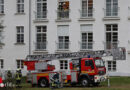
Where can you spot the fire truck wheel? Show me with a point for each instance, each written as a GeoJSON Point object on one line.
{"type": "Point", "coordinates": [43, 82]}
{"type": "Point", "coordinates": [85, 82]}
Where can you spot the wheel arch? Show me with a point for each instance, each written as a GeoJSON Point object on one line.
{"type": "Point", "coordinates": [84, 76]}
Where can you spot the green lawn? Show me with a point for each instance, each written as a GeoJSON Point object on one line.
{"type": "Point", "coordinates": [116, 83]}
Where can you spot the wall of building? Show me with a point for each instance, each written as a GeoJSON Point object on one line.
{"type": "Point", "coordinates": [10, 51]}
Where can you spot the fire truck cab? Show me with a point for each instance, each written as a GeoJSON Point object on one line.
{"type": "Point", "coordinates": [89, 71]}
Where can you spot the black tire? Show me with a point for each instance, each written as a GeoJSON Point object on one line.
{"type": "Point", "coordinates": [84, 82]}
{"type": "Point", "coordinates": [43, 82]}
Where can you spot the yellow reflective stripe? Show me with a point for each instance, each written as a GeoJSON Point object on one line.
{"type": "Point", "coordinates": [42, 74]}
{"type": "Point", "coordinates": [88, 71]}
{"type": "Point", "coordinates": [18, 77]}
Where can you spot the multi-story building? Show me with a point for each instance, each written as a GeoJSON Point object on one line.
{"type": "Point", "coordinates": [55, 26]}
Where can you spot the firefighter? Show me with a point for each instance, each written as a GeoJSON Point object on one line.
{"type": "Point", "coordinates": [18, 77]}
{"type": "Point", "coordinates": [9, 79]}
{"type": "Point", "coordinates": [56, 82]}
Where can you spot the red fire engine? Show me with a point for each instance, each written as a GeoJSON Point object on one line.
{"type": "Point", "coordinates": [83, 70]}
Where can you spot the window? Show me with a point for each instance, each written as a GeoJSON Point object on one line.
{"type": "Point", "coordinates": [41, 38]}
{"type": "Point", "coordinates": [63, 9]}
{"type": "Point", "coordinates": [1, 63]}
{"type": "Point", "coordinates": [99, 63]}
{"type": "Point", "coordinates": [111, 7]}
{"type": "Point", "coordinates": [41, 9]}
{"type": "Point", "coordinates": [20, 34]}
{"type": "Point", "coordinates": [63, 38]}
{"type": "Point", "coordinates": [20, 6]}
{"type": "Point", "coordinates": [87, 40]}
{"type": "Point", "coordinates": [1, 35]}
{"type": "Point", "coordinates": [111, 65]}
{"type": "Point", "coordinates": [63, 42]}
{"type": "Point", "coordinates": [86, 37]}
{"type": "Point", "coordinates": [87, 63]}
{"type": "Point", "coordinates": [63, 64]}
{"type": "Point", "coordinates": [111, 36]}
{"type": "Point", "coordinates": [1, 6]}
{"type": "Point", "coordinates": [20, 64]}
{"type": "Point", "coordinates": [87, 8]}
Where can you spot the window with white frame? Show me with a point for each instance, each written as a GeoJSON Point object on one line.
{"type": "Point", "coordinates": [20, 64]}
{"type": "Point", "coordinates": [20, 34]}
{"type": "Point", "coordinates": [20, 6]}
{"type": "Point", "coordinates": [86, 37]}
{"type": "Point", "coordinates": [111, 65]}
{"type": "Point", "coordinates": [41, 38]}
{"type": "Point", "coordinates": [87, 8]}
{"type": "Point", "coordinates": [41, 9]}
{"type": "Point", "coordinates": [63, 37]}
{"type": "Point", "coordinates": [1, 6]}
{"type": "Point", "coordinates": [63, 9]}
{"type": "Point", "coordinates": [1, 63]}
{"type": "Point", "coordinates": [63, 42]}
{"type": "Point", "coordinates": [111, 36]}
{"type": "Point", "coordinates": [111, 7]}
{"type": "Point", "coordinates": [1, 34]}
{"type": "Point", "coordinates": [63, 64]}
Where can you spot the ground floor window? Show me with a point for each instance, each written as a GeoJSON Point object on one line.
{"type": "Point", "coordinates": [111, 65]}
{"type": "Point", "coordinates": [19, 64]}
{"type": "Point", "coordinates": [1, 63]}
{"type": "Point", "coordinates": [63, 64]}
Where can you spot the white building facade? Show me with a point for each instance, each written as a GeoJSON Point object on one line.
{"type": "Point", "coordinates": [56, 26]}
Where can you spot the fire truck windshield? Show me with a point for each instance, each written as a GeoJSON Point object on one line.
{"type": "Point", "coordinates": [99, 63]}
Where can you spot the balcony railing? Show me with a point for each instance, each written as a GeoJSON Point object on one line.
{"type": "Point", "coordinates": [63, 14]}
{"type": "Point", "coordinates": [86, 13]}
{"type": "Point", "coordinates": [40, 15]}
{"type": "Point", "coordinates": [41, 46]}
{"type": "Point", "coordinates": [111, 12]}
{"type": "Point", "coordinates": [111, 45]}
{"type": "Point", "coordinates": [86, 45]}
{"type": "Point", "coordinates": [63, 45]}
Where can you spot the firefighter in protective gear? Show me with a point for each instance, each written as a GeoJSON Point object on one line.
{"type": "Point", "coordinates": [55, 81]}
{"type": "Point", "coordinates": [18, 77]}
{"type": "Point", "coordinates": [9, 79]}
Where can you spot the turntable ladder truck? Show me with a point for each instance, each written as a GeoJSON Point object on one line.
{"type": "Point", "coordinates": [86, 68]}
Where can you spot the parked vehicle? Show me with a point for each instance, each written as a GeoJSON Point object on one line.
{"type": "Point", "coordinates": [82, 71]}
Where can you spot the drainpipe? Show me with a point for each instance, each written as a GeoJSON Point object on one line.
{"type": "Point", "coordinates": [30, 26]}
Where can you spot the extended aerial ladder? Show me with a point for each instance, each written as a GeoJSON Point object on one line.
{"type": "Point", "coordinates": [117, 53]}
